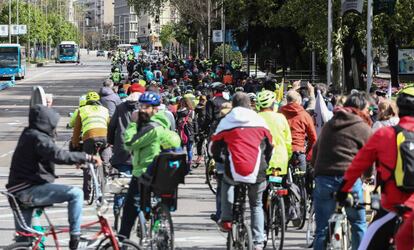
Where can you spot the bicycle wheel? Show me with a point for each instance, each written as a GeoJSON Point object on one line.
{"type": "Point", "coordinates": [303, 204]}
{"type": "Point", "coordinates": [211, 175]}
{"type": "Point", "coordinates": [310, 228]}
{"type": "Point", "coordinates": [277, 222]}
{"type": "Point", "coordinates": [19, 246]}
{"type": "Point", "coordinates": [141, 228]}
{"type": "Point", "coordinates": [240, 238]}
{"type": "Point", "coordinates": [162, 229]}
{"type": "Point", "coordinates": [124, 245]}
{"type": "Point", "coordinates": [92, 192]}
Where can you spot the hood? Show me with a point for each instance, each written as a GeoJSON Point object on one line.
{"type": "Point", "coordinates": [105, 91]}
{"type": "Point", "coordinates": [291, 110]}
{"type": "Point", "coordinates": [161, 119]}
{"type": "Point", "coordinates": [43, 118]}
{"type": "Point", "coordinates": [343, 119]}
{"type": "Point", "coordinates": [240, 117]}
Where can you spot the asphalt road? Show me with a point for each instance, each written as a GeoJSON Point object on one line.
{"type": "Point", "coordinates": [193, 228]}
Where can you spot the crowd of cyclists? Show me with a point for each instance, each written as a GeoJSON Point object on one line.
{"type": "Point", "coordinates": [255, 128]}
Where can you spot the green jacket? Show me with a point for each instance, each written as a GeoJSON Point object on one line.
{"type": "Point", "coordinates": [144, 142]}
{"type": "Point", "coordinates": [282, 141]}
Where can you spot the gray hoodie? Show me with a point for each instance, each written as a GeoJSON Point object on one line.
{"type": "Point", "coordinates": [109, 99]}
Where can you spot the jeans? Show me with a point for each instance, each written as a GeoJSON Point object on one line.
{"type": "Point", "coordinates": [120, 198]}
{"type": "Point", "coordinates": [48, 194]}
{"type": "Point", "coordinates": [131, 208]}
{"type": "Point", "coordinates": [255, 194]}
{"type": "Point", "coordinates": [218, 195]}
{"type": "Point", "coordinates": [189, 148]}
{"type": "Point", "coordinates": [301, 157]}
{"type": "Point", "coordinates": [325, 205]}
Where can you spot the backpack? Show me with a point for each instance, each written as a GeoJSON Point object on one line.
{"type": "Point", "coordinates": [183, 127]}
{"type": "Point", "coordinates": [404, 168]}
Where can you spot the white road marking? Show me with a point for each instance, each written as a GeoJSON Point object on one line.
{"type": "Point", "coordinates": [6, 154]}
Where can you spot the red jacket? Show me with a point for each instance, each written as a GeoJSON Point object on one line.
{"type": "Point", "coordinates": [381, 149]}
{"type": "Point", "coordinates": [301, 126]}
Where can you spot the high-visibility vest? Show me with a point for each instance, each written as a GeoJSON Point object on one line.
{"type": "Point", "coordinates": [93, 116]}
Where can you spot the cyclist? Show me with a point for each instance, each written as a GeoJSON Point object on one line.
{"type": "Point", "coordinates": [302, 127]}
{"type": "Point", "coordinates": [142, 137]}
{"type": "Point", "coordinates": [213, 107]}
{"type": "Point", "coordinates": [82, 102]}
{"type": "Point", "coordinates": [121, 158]}
{"type": "Point", "coordinates": [280, 130]}
{"type": "Point", "coordinates": [339, 142]}
{"type": "Point", "coordinates": [116, 76]}
{"type": "Point", "coordinates": [92, 122]}
{"type": "Point", "coordinates": [32, 171]}
{"type": "Point", "coordinates": [109, 98]}
{"type": "Point", "coordinates": [244, 135]}
{"type": "Point", "coordinates": [382, 149]}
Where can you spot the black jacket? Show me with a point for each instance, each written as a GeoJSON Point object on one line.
{"type": "Point", "coordinates": [213, 108]}
{"type": "Point", "coordinates": [36, 152]}
{"type": "Point", "coordinates": [191, 128]}
{"type": "Point", "coordinates": [119, 122]}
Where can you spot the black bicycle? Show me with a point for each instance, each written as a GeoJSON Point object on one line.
{"type": "Point", "coordinates": [240, 235]}
{"type": "Point", "coordinates": [297, 193]}
{"type": "Point", "coordinates": [275, 212]}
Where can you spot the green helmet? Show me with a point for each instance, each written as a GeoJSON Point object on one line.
{"type": "Point", "coordinates": [265, 99]}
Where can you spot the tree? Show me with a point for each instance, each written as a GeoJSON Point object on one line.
{"type": "Point", "coordinates": [230, 54]}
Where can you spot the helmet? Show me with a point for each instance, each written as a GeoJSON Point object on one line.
{"type": "Point", "coordinates": [252, 97]}
{"type": "Point", "coordinates": [218, 86]}
{"type": "Point", "coordinates": [239, 89]}
{"type": "Point", "coordinates": [92, 96]}
{"type": "Point", "coordinates": [405, 101]}
{"type": "Point", "coordinates": [265, 99]}
{"type": "Point", "coordinates": [150, 98]}
{"type": "Point", "coordinates": [82, 100]}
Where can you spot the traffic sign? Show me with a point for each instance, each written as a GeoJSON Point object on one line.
{"type": "Point", "coordinates": [4, 30]}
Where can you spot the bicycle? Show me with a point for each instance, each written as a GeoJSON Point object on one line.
{"type": "Point", "coordinates": [275, 212]}
{"type": "Point", "coordinates": [297, 193]}
{"type": "Point", "coordinates": [211, 175]}
{"type": "Point", "coordinates": [105, 239]}
{"type": "Point", "coordinates": [240, 235]}
{"type": "Point", "coordinates": [100, 174]}
{"type": "Point", "coordinates": [118, 184]}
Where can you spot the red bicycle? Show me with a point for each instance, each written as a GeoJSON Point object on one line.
{"type": "Point", "coordinates": [105, 239]}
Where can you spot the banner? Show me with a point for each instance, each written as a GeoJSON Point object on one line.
{"type": "Point", "coordinates": [22, 29]}
{"type": "Point", "coordinates": [406, 61]}
{"type": "Point", "coordinates": [14, 29]}
{"type": "Point", "coordinates": [321, 113]}
{"type": "Point", "coordinates": [4, 30]}
{"type": "Point", "coordinates": [352, 5]}
{"type": "Point", "coordinates": [217, 36]}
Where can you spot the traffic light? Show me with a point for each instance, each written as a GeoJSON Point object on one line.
{"type": "Point", "coordinates": [157, 19]}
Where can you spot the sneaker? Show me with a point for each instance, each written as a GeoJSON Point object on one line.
{"type": "Point", "coordinates": [199, 159]}
{"type": "Point", "coordinates": [214, 217]}
{"type": "Point", "coordinates": [225, 226]}
{"type": "Point", "coordinates": [74, 241]}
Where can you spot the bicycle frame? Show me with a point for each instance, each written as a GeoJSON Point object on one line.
{"type": "Point", "coordinates": [105, 230]}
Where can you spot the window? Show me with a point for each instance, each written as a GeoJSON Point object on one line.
{"type": "Point", "coordinates": [133, 18]}
{"type": "Point", "coordinates": [131, 9]}
{"type": "Point", "coordinates": [133, 26]}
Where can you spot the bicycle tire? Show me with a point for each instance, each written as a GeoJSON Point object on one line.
{"type": "Point", "coordinates": [310, 228]}
{"type": "Point", "coordinates": [92, 192]}
{"type": "Point", "coordinates": [303, 204]}
{"type": "Point", "coordinates": [244, 233]}
{"type": "Point", "coordinates": [19, 246]}
{"type": "Point", "coordinates": [159, 239]}
{"type": "Point", "coordinates": [277, 222]}
{"type": "Point", "coordinates": [125, 245]}
{"type": "Point", "coordinates": [211, 175]}
{"type": "Point", "coordinates": [141, 228]}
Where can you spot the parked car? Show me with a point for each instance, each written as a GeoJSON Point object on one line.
{"type": "Point", "coordinates": [100, 53]}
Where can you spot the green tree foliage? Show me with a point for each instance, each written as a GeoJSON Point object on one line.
{"type": "Point", "coordinates": [167, 34]}
{"type": "Point", "coordinates": [230, 55]}
{"type": "Point", "coordinates": [41, 27]}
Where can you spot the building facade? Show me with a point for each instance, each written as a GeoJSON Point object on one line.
{"type": "Point", "coordinates": [141, 29]}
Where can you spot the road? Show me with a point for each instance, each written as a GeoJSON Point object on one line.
{"type": "Point", "coordinates": [193, 228]}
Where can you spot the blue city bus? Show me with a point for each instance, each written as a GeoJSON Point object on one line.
{"type": "Point", "coordinates": [67, 51]}
{"type": "Point", "coordinates": [12, 61]}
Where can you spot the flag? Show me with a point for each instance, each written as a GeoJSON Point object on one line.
{"type": "Point", "coordinates": [279, 92]}
{"type": "Point", "coordinates": [321, 113]}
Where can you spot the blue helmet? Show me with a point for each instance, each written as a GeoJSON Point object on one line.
{"type": "Point", "coordinates": [150, 98]}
